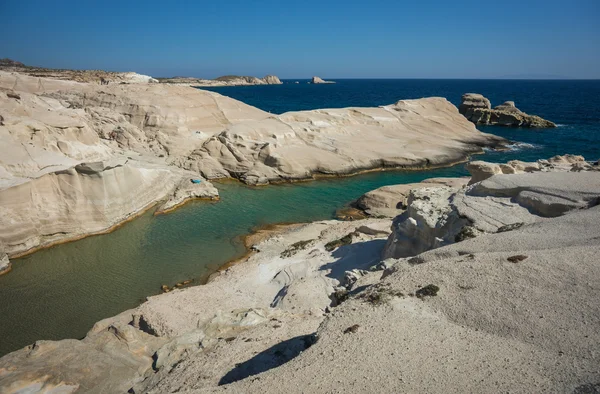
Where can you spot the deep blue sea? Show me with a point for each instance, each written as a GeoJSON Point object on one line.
{"type": "Point", "coordinates": [572, 104]}
{"type": "Point", "coordinates": [62, 291]}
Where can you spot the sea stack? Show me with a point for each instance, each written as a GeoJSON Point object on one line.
{"type": "Point", "coordinates": [478, 110]}
{"type": "Point", "coordinates": [318, 80]}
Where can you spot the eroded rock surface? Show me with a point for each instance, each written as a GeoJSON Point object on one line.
{"type": "Point", "coordinates": [439, 216]}
{"type": "Point", "coordinates": [510, 304]}
{"type": "Point", "coordinates": [391, 201]}
{"type": "Point", "coordinates": [478, 110]}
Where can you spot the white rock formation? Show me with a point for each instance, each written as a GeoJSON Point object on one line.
{"type": "Point", "coordinates": [228, 80]}
{"type": "Point", "coordinates": [300, 145]}
{"type": "Point", "coordinates": [441, 216]}
{"type": "Point", "coordinates": [391, 201]}
{"type": "Point", "coordinates": [317, 80]}
{"type": "Point", "coordinates": [513, 309]}
{"type": "Point", "coordinates": [481, 170]}
{"type": "Point", "coordinates": [157, 133]}
{"type": "Point", "coordinates": [478, 110]}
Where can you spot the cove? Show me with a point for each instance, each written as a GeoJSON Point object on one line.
{"type": "Point", "coordinates": [62, 291]}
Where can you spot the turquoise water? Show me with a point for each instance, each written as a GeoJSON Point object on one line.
{"type": "Point", "coordinates": [62, 291]}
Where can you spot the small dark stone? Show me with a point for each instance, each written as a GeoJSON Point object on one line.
{"type": "Point", "coordinates": [510, 227]}
{"type": "Point", "coordinates": [590, 388]}
{"type": "Point", "coordinates": [13, 95]}
{"type": "Point", "coordinates": [465, 233]}
{"type": "Point", "coordinates": [351, 329]}
{"type": "Point", "coordinates": [427, 291]}
{"type": "Point", "coordinates": [517, 258]}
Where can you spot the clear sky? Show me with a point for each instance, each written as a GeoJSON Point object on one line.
{"type": "Point", "coordinates": [299, 39]}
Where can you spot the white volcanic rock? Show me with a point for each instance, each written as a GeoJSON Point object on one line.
{"type": "Point", "coordinates": [429, 222]}
{"type": "Point", "coordinates": [132, 77]}
{"type": "Point", "coordinates": [392, 200]}
{"type": "Point", "coordinates": [514, 310]}
{"type": "Point", "coordinates": [5, 264]}
{"type": "Point", "coordinates": [300, 145]}
{"type": "Point", "coordinates": [496, 323]}
{"type": "Point", "coordinates": [228, 80]}
{"type": "Point", "coordinates": [481, 170]}
{"type": "Point", "coordinates": [258, 304]}
{"type": "Point", "coordinates": [441, 216]}
{"type": "Point", "coordinates": [272, 80]}
{"type": "Point", "coordinates": [59, 133]}
{"type": "Point", "coordinates": [66, 172]}
{"type": "Point", "coordinates": [317, 80]}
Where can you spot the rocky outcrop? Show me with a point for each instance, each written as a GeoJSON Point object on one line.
{"type": "Point", "coordinates": [85, 199]}
{"type": "Point", "coordinates": [441, 216]}
{"type": "Point", "coordinates": [391, 201]}
{"type": "Point", "coordinates": [481, 170]}
{"type": "Point", "coordinates": [478, 110]}
{"type": "Point", "coordinates": [301, 145]}
{"type": "Point", "coordinates": [429, 222]}
{"type": "Point", "coordinates": [272, 80]}
{"type": "Point", "coordinates": [317, 80]}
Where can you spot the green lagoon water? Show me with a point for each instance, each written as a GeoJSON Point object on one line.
{"type": "Point", "coordinates": [62, 291]}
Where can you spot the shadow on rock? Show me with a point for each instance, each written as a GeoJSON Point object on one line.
{"type": "Point", "coordinates": [361, 255]}
{"type": "Point", "coordinates": [269, 359]}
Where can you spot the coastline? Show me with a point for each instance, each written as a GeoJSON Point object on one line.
{"type": "Point", "coordinates": [281, 288]}
{"type": "Point", "coordinates": [316, 177]}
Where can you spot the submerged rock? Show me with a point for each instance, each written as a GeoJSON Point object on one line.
{"type": "Point", "coordinates": [478, 110]}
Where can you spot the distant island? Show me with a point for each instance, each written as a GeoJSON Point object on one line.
{"type": "Point", "coordinates": [226, 80]}
{"type": "Point", "coordinates": [106, 77]}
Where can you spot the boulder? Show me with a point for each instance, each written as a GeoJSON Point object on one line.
{"type": "Point", "coordinates": [391, 201]}
{"type": "Point", "coordinates": [428, 223]}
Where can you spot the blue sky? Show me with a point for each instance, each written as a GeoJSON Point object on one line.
{"type": "Point", "coordinates": [298, 39]}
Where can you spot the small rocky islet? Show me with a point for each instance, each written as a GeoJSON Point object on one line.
{"type": "Point", "coordinates": [494, 274]}
{"type": "Point", "coordinates": [478, 110]}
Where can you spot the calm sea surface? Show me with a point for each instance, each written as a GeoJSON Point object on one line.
{"type": "Point", "coordinates": [62, 291]}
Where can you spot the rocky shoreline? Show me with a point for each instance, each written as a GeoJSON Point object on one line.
{"type": "Point", "coordinates": [500, 274]}
{"type": "Point", "coordinates": [78, 158]}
